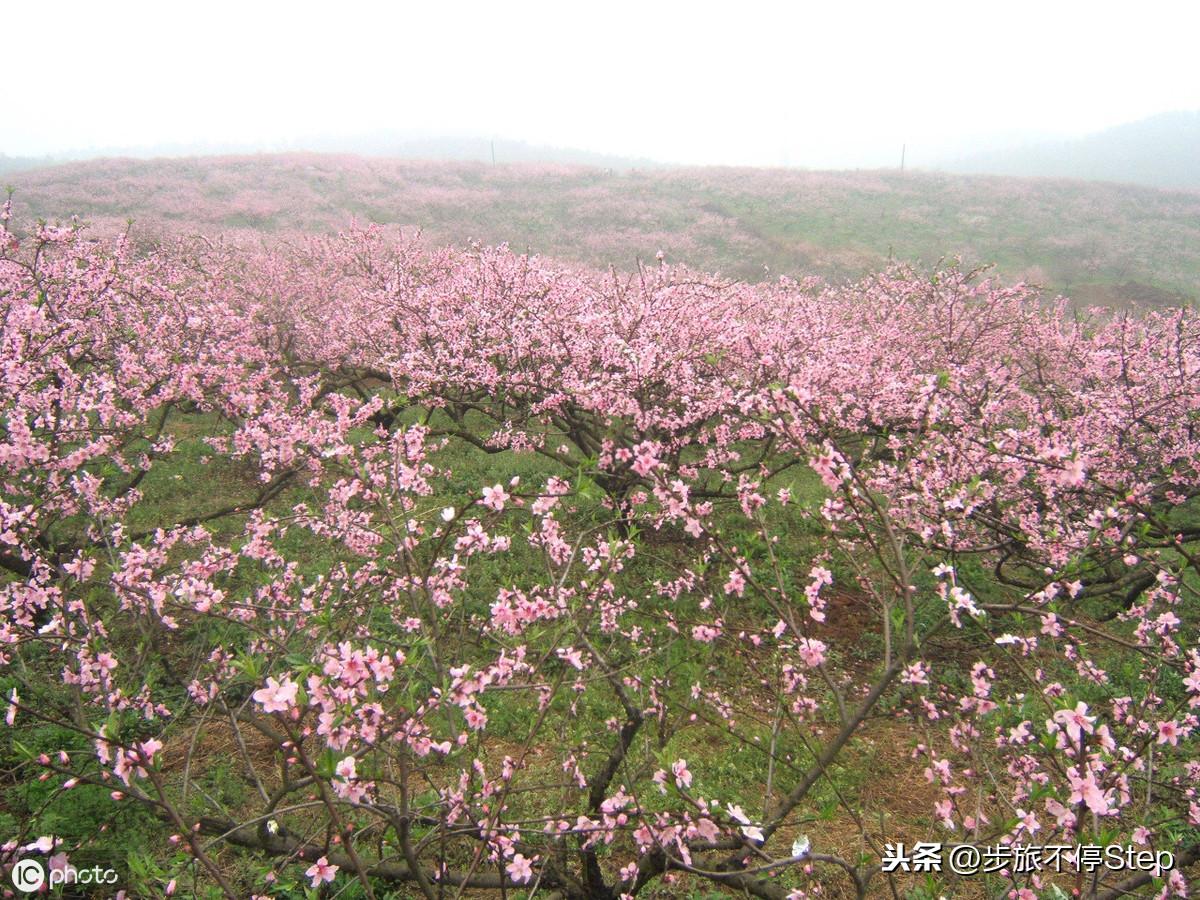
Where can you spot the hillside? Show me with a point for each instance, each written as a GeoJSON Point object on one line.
{"type": "Point", "coordinates": [1161, 151]}
{"type": "Point", "coordinates": [21, 163]}
{"type": "Point", "coordinates": [386, 144]}
{"type": "Point", "coordinates": [1106, 242]}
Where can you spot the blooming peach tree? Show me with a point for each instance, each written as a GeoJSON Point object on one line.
{"type": "Point", "coordinates": [461, 564]}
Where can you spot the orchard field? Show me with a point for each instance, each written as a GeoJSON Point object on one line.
{"type": "Point", "coordinates": [1109, 244]}
{"type": "Point", "coordinates": [359, 564]}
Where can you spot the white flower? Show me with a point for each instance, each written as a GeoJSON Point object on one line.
{"type": "Point", "coordinates": [754, 832]}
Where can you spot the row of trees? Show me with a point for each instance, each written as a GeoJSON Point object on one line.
{"type": "Point", "coordinates": [456, 682]}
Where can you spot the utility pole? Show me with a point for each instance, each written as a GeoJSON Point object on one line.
{"type": "Point", "coordinates": [903, 148]}
{"type": "Point", "coordinates": [493, 153]}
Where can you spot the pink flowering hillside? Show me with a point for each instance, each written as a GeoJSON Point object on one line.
{"type": "Point", "coordinates": [1109, 244]}
{"type": "Point", "coordinates": [348, 566]}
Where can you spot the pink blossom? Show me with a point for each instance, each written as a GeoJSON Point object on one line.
{"type": "Point", "coordinates": [277, 696]}
{"type": "Point", "coordinates": [736, 584]}
{"type": "Point", "coordinates": [1076, 721]}
{"type": "Point", "coordinates": [347, 768]}
{"type": "Point", "coordinates": [321, 871]}
{"type": "Point", "coordinates": [1085, 789]}
{"type": "Point", "coordinates": [1169, 733]}
{"type": "Point", "coordinates": [812, 651]}
{"type": "Point", "coordinates": [572, 656]}
{"type": "Point", "coordinates": [520, 869]}
{"type": "Point", "coordinates": [494, 497]}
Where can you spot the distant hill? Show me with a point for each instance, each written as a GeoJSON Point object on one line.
{"type": "Point", "coordinates": [458, 149]}
{"type": "Point", "coordinates": [1161, 151]}
{"type": "Point", "coordinates": [21, 163]}
{"type": "Point", "coordinates": [1110, 243]}
{"type": "Point", "coordinates": [390, 144]}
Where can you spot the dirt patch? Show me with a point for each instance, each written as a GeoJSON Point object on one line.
{"type": "Point", "coordinates": [214, 741]}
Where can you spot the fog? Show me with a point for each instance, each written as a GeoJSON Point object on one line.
{"type": "Point", "coordinates": [737, 84]}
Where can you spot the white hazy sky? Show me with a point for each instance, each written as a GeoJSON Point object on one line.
{"type": "Point", "coordinates": [737, 82]}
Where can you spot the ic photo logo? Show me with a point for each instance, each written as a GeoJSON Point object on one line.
{"type": "Point", "coordinates": [29, 875]}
